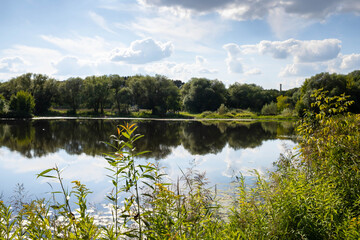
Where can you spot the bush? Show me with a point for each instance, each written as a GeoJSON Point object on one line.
{"type": "Point", "coordinates": [222, 109]}
{"type": "Point", "coordinates": [287, 112]}
{"type": "Point", "coordinates": [269, 109]}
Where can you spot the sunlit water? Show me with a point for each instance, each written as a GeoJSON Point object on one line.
{"type": "Point", "coordinates": [222, 150]}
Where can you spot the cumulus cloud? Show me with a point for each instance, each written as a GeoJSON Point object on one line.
{"type": "Point", "coordinates": [37, 59]}
{"type": "Point", "coordinates": [11, 64]}
{"type": "Point", "coordinates": [301, 51]}
{"type": "Point", "coordinates": [302, 69]}
{"type": "Point", "coordinates": [183, 71]}
{"type": "Point", "coordinates": [143, 51]}
{"type": "Point", "coordinates": [70, 66]}
{"type": "Point", "coordinates": [351, 61]}
{"type": "Point", "coordinates": [233, 60]}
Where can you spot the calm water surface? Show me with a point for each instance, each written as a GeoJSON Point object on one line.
{"type": "Point", "coordinates": [221, 149]}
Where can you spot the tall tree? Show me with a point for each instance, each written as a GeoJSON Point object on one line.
{"type": "Point", "coordinates": [117, 84]}
{"type": "Point", "coordinates": [43, 89]}
{"type": "Point", "coordinates": [71, 92]}
{"type": "Point", "coordinates": [96, 92]}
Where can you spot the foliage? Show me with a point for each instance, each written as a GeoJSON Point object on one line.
{"type": "Point", "coordinates": [159, 94]}
{"type": "Point", "coordinates": [282, 102]}
{"type": "Point", "coordinates": [269, 109]}
{"type": "Point", "coordinates": [334, 84]}
{"type": "Point", "coordinates": [3, 105]}
{"type": "Point", "coordinates": [246, 96]}
{"type": "Point", "coordinates": [22, 104]}
{"type": "Point", "coordinates": [201, 94]}
{"type": "Point", "coordinates": [222, 109]}
{"type": "Point", "coordinates": [70, 92]}
{"type": "Point", "coordinates": [43, 90]}
{"type": "Point", "coordinates": [96, 90]}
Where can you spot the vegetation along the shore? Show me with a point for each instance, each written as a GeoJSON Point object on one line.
{"type": "Point", "coordinates": [157, 96]}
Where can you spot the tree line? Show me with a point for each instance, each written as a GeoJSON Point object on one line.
{"type": "Point", "coordinates": [36, 94]}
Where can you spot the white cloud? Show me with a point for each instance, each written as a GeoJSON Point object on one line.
{"type": "Point", "coordinates": [233, 60]}
{"type": "Point", "coordinates": [12, 64]}
{"type": "Point", "coordinates": [302, 69]}
{"type": "Point", "coordinates": [70, 66]}
{"type": "Point", "coordinates": [318, 50]}
{"type": "Point", "coordinates": [351, 61]}
{"type": "Point", "coordinates": [278, 49]}
{"type": "Point", "coordinates": [181, 71]}
{"type": "Point", "coordinates": [143, 51]}
{"type": "Point", "coordinates": [301, 51]}
{"type": "Point", "coordinates": [253, 71]}
{"type": "Point", "coordinates": [100, 21]}
{"type": "Point", "coordinates": [38, 60]}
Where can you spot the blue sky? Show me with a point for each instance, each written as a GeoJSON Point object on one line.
{"type": "Point", "coordinates": [266, 42]}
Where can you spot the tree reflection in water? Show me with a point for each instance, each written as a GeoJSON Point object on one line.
{"type": "Point", "coordinates": [38, 138]}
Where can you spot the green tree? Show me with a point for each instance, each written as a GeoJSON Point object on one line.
{"type": "Point", "coordinates": [44, 90]}
{"type": "Point", "coordinates": [159, 94]}
{"type": "Point", "coordinates": [282, 102]}
{"type": "Point", "coordinates": [71, 92]}
{"type": "Point", "coordinates": [96, 92]}
{"type": "Point", "coordinates": [201, 94]}
{"type": "Point", "coordinates": [335, 85]}
{"type": "Point", "coordinates": [117, 84]}
{"type": "Point", "coordinates": [251, 96]}
{"type": "Point", "coordinates": [22, 104]}
{"type": "Point", "coordinates": [16, 84]}
{"type": "Point", "coordinates": [2, 104]}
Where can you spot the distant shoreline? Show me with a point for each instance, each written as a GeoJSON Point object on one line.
{"type": "Point", "coordinates": [150, 119]}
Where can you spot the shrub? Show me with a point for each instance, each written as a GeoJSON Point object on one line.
{"type": "Point", "coordinates": [222, 109]}
{"type": "Point", "coordinates": [269, 109]}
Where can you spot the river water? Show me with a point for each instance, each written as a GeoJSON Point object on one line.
{"type": "Point", "coordinates": [221, 149]}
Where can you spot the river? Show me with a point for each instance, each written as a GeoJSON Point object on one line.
{"type": "Point", "coordinates": [222, 149]}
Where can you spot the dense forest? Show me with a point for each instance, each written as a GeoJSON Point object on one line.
{"type": "Point", "coordinates": [30, 94]}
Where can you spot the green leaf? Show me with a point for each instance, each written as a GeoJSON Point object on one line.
{"type": "Point", "coordinates": [126, 135]}
{"type": "Point", "coordinates": [42, 174]}
{"type": "Point", "coordinates": [148, 176]}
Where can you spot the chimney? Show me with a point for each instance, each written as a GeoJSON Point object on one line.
{"type": "Point", "coordinates": [280, 87]}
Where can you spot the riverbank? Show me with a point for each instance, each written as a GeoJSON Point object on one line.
{"type": "Point", "coordinates": [235, 115]}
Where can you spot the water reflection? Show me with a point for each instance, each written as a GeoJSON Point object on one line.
{"type": "Point", "coordinates": [222, 149]}
{"type": "Point", "coordinates": [38, 138]}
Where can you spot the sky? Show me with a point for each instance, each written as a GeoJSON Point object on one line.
{"type": "Point", "coordinates": [265, 42]}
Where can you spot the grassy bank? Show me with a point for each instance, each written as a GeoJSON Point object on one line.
{"type": "Point", "coordinates": [234, 114]}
